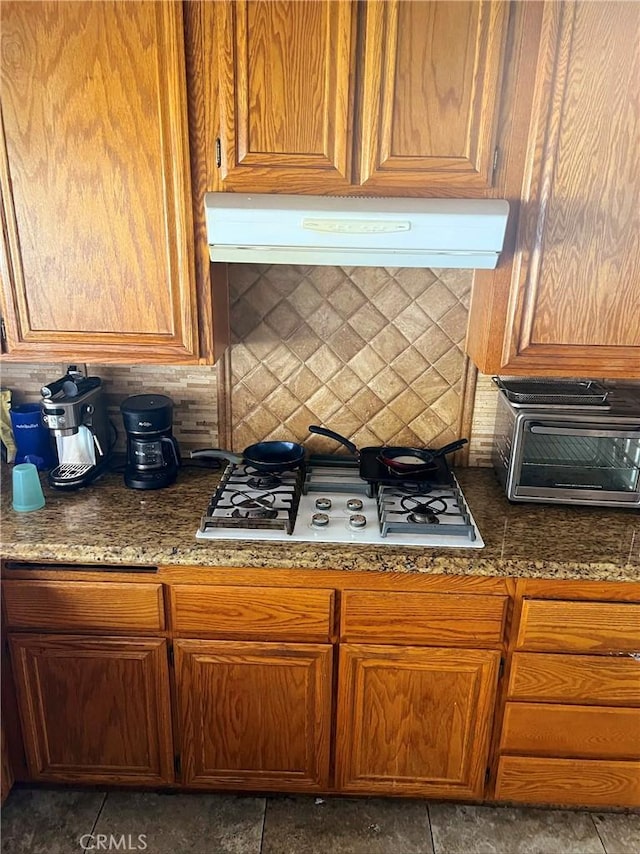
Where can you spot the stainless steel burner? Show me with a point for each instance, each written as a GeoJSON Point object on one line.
{"type": "Point", "coordinates": [354, 504]}
{"type": "Point", "coordinates": [320, 520]}
{"type": "Point", "coordinates": [323, 503]}
{"type": "Point", "coordinates": [428, 518]}
{"type": "Point", "coordinates": [265, 501]}
{"type": "Point", "coordinates": [254, 513]}
{"type": "Point", "coordinates": [357, 521]}
{"type": "Point", "coordinates": [264, 481]}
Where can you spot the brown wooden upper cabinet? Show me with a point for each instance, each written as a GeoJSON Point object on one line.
{"type": "Point", "coordinates": [98, 233]}
{"type": "Point", "coordinates": [566, 300]}
{"type": "Point", "coordinates": [392, 97]}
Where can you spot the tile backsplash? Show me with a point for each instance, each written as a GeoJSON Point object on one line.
{"type": "Point", "coordinates": [192, 389]}
{"type": "Point", "coordinates": [374, 353]}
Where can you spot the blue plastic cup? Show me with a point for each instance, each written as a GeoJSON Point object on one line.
{"type": "Point", "coordinates": [27, 491]}
{"type": "Point", "coordinates": [33, 440]}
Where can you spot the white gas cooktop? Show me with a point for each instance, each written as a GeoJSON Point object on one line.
{"type": "Point", "coordinates": [332, 504]}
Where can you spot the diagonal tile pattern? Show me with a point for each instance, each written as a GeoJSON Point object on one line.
{"type": "Point", "coordinates": [374, 353]}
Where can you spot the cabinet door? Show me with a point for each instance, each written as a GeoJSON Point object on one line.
{"type": "Point", "coordinates": [94, 170]}
{"type": "Point", "coordinates": [254, 715]}
{"type": "Point", "coordinates": [414, 721]}
{"type": "Point", "coordinates": [570, 302]}
{"type": "Point", "coordinates": [284, 77]}
{"type": "Point", "coordinates": [431, 87]}
{"type": "Point", "coordinates": [94, 709]}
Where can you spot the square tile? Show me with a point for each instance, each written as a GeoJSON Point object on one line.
{"type": "Point", "coordinates": [189, 823]}
{"type": "Point", "coordinates": [461, 829]}
{"type": "Point", "coordinates": [43, 821]}
{"type": "Point", "coordinates": [345, 826]}
{"type": "Point", "coordinates": [619, 832]}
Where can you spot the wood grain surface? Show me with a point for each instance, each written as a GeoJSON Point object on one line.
{"type": "Point", "coordinates": [606, 680]}
{"type": "Point", "coordinates": [596, 627]}
{"type": "Point", "coordinates": [414, 721]}
{"type": "Point", "coordinates": [422, 618]}
{"type": "Point", "coordinates": [96, 180]}
{"type": "Point", "coordinates": [589, 732]}
{"type": "Point", "coordinates": [95, 606]}
{"type": "Point", "coordinates": [583, 782]}
{"type": "Point", "coordinates": [94, 709]}
{"type": "Point", "coordinates": [430, 87]}
{"type": "Point", "coordinates": [254, 715]}
{"type": "Point", "coordinates": [263, 612]}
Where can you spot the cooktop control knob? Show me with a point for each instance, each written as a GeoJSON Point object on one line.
{"type": "Point", "coordinates": [323, 503]}
{"type": "Point", "coordinates": [354, 504]}
{"type": "Point", "coordinates": [357, 521]}
{"type": "Point", "coordinates": [320, 520]}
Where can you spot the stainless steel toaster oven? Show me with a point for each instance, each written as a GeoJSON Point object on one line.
{"type": "Point", "coordinates": [569, 454]}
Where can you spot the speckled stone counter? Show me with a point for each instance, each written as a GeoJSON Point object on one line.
{"type": "Point", "coordinates": [107, 523]}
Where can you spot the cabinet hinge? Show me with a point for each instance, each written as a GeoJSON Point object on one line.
{"type": "Point", "coordinates": [3, 331]}
{"type": "Point", "coordinates": [218, 153]}
{"type": "Point", "coordinates": [487, 776]}
{"type": "Point", "coordinates": [495, 161]}
{"type": "Point", "coordinates": [177, 764]}
{"type": "Point", "coordinates": [171, 656]}
{"type": "Point", "coordinates": [501, 668]}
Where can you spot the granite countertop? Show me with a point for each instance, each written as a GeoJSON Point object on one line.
{"type": "Point", "coordinates": [108, 523]}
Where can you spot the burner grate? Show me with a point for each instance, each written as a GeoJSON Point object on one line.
{"type": "Point", "coordinates": [225, 511]}
{"type": "Point", "coordinates": [454, 521]}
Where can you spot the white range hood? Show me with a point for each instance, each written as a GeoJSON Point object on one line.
{"type": "Point", "coordinates": [380, 232]}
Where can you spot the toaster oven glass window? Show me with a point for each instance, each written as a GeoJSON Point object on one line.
{"type": "Point", "coordinates": [563, 457]}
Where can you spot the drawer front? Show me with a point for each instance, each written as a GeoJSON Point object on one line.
{"type": "Point", "coordinates": [610, 680]}
{"type": "Point", "coordinates": [595, 732]}
{"type": "Point", "coordinates": [422, 618]}
{"type": "Point", "coordinates": [595, 627]}
{"type": "Point", "coordinates": [570, 782]}
{"type": "Point", "coordinates": [278, 613]}
{"type": "Point", "coordinates": [84, 605]}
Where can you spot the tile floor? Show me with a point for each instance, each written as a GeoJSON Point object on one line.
{"type": "Point", "coordinates": [57, 821]}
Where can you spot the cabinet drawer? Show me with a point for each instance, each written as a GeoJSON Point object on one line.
{"type": "Point", "coordinates": [596, 732]}
{"type": "Point", "coordinates": [579, 782]}
{"type": "Point", "coordinates": [277, 613]}
{"type": "Point", "coordinates": [579, 626]}
{"type": "Point", "coordinates": [422, 618]}
{"type": "Point", "coordinates": [77, 605]}
{"type": "Point", "coordinates": [575, 678]}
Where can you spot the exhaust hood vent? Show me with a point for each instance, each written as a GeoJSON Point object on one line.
{"type": "Point", "coordinates": [363, 232]}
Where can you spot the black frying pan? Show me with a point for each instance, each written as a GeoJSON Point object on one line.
{"type": "Point", "coordinates": [263, 456]}
{"type": "Point", "coordinates": [401, 461]}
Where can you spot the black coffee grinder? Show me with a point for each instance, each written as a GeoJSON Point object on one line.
{"type": "Point", "coordinates": [153, 455]}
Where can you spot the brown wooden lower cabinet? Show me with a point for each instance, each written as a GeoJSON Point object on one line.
{"type": "Point", "coordinates": [579, 782]}
{"type": "Point", "coordinates": [414, 720]}
{"type": "Point", "coordinates": [254, 715]}
{"type": "Point", "coordinates": [94, 709]}
{"type": "Point", "coordinates": [598, 732]}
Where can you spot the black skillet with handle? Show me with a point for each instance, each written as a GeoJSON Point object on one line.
{"type": "Point", "coordinates": [264, 457]}
{"type": "Point", "coordinates": [405, 463]}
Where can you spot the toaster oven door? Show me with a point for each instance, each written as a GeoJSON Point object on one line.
{"type": "Point", "coordinates": [585, 464]}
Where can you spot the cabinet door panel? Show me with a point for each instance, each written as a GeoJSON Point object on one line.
{"type": "Point", "coordinates": [570, 302]}
{"type": "Point", "coordinates": [94, 172]}
{"type": "Point", "coordinates": [284, 75]}
{"type": "Point", "coordinates": [414, 721]}
{"type": "Point", "coordinates": [94, 709]}
{"type": "Point", "coordinates": [431, 85]}
{"type": "Point", "coordinates": [254, 715]}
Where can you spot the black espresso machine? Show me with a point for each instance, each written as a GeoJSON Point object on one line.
{"type": "Point", "coordinates": [153, 455]}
